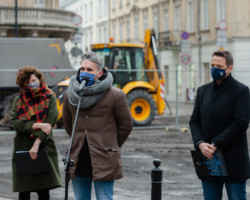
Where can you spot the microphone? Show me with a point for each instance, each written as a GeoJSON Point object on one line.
{"type": "Point", "coordinates": [85, 80]}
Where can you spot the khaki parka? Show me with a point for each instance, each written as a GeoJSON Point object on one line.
{"type": "Point", "coordinates": [106, 125]}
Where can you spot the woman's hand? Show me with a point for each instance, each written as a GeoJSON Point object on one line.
{"type": "Point", "coordinates": [33, 151]}
{"type": "Point", "coordinates": [45, 127]}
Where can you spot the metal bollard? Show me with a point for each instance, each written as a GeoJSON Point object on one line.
{"type": "Point", "coordinates": [156, 177]}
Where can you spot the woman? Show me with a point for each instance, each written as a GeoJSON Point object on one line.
{"type": "Point", "coordinates": [33, 115]}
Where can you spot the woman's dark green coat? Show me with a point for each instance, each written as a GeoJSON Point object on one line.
{"type": "Point", "coordinates": [23, 142]}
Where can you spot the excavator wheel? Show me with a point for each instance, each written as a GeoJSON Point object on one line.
{"type": "Point", "coordinates": [142, 107]}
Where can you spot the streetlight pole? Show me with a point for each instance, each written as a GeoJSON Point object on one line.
{"type": "Point", "coordinates": [16, 26]}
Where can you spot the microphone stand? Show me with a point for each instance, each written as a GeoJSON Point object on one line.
{"type": "Point", "coordinates": [67, 162]}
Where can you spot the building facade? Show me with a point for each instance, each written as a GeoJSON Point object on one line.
{"type": "Point", "coordinates": [130, 18]}
{"type": "Point", "coordinates": [210, 25]}
{"type": "Point", "coordinates": [95, 20]}
{"type": "Point", "coordinates": [36, 18]}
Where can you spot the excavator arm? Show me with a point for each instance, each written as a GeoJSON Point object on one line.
{"type": "Point", "coordinates": [155, 75]}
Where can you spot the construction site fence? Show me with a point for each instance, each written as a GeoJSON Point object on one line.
{"type": "Point", "coordinates": [181, 84]}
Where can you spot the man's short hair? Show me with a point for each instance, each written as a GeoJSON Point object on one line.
{"type": "Point", "coordinates": [93, 57]}
{"type": "Point", "coordinates": [225, 54]}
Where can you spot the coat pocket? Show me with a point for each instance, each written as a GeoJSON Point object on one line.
{"type": "Point", "coordinates": [106, 162]}
{"type": "Point", "coordinates": [105, 155]}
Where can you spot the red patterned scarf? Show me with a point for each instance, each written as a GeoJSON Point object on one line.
{"type": "Point", "coordinates": [33, 103]}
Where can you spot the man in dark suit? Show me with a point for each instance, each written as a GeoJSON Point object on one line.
{"type": "Point", "coordinates": [219, 121]}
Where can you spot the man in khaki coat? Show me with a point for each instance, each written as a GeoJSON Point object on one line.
{"type": "Point", "coordinates": [103, 124]}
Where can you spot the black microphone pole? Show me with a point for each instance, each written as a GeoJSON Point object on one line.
{"type": "Point", "coordinates": [67, 162]}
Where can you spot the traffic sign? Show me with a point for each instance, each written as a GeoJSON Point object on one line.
{"type": "Point", "coordinates": [77, 20]}
{"type": "Point", "coordinates": [221, 34]}
{"type": "Point", "coordinates": [78, 36]}
{"type": "Point", "coordinates": [75, 51]}
{"type": "Point", "coordinates": [185, 59]}
{"type": "Point", "coordinates": [221, 38]}
{"type": "Point", "coordinates": [222, 25]}
{"type": "Point", "coordinates": [185, 46]}
{"type": "Point", "coordinates": [184, 35]}
{"type": "Point", "coordinates": [221, 42]}
{"type": "Point", "coordinates": [53, 74]}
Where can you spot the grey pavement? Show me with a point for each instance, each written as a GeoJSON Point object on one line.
{"type": "Point", "coordinates": [143, 145]}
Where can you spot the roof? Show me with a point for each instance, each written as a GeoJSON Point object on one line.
{"type": "Point", "coordinates": [111, 45]}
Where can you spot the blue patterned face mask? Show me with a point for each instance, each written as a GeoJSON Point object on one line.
{"type": "Point", "coordinates": [217, 73]}
{"type": "Point", "coordinates": [34, 84]}
{"type": "Point", "coordinates": [90, 76]}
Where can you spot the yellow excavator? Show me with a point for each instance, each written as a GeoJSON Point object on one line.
{"type": "Point", "coordinates": [136, 71]}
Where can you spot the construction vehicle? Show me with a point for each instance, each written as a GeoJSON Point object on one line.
{"type": "Point", "coordinates": [136, 71]}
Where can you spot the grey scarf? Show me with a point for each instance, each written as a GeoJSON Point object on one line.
{"type": "Point", "coordinates": [91, 94]}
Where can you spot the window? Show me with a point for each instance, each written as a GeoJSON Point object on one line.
{"type": "Point", "coordinates": [128, 30]}
{"type": "Point", "coordinates": [40, 2]}
{"type": "Point", "coordinates": [177, 22]}
{"type": "Point", "coordinates": [80, 10]}
{"type": "Point", "coordinates": [166, 73]}
{"type": "Point", "coordinates": [113, 4]}
{"type": "Point", "coordinates": [86, 40]}
{"type": "Point", "coordinates": [136, 27]}
{"type": "Point", "coordinates": [121, 58]}
{"type": "Point", "coordinates": [190, 16]}
{"type": "Point", "coordinates": [120, 4]}
{"type": "Point", "coordinates": [155, 21]}
{"type": "Point", "coordinates": [165, 25]}
{"type": "Point", "coordinates": [205, 14]}
{"type": "Point", "coordinates": [206, 72]}
{"type": "Point", "coordinates": [139, 65]}
{"type": "Point", "coordinates": [130, 63]}
{"type": "Point", "coordinates": [145, 20]}
{"type": "Point", "coordinates": [104, 54]}
{"type": "Point", "coordinates": [85, 13]}
{"type": "Point", "coordinates": [91, 11]}
{"type": "Point", "coordinates": [180, 80]}
{"type": "Point", "coordinates": [121, 31]}
{"type": "Point", "coordinates": [91, 36]}
{"type": "Point", "coordinates": [220, 10]}
{"type": "Point", "coordinates": [105, 8]}
{"type": "Point", "coordinates": [99, 8]}
{"type": "Point", "coordinates": [100, 35]}
{"type": "Point", "coordinates": [105, 36]}
{"type": "Point", "coordinates": [113, 31]}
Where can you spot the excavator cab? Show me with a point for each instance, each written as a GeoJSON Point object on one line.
{"type": "Point", "coordinates": [125, 63]}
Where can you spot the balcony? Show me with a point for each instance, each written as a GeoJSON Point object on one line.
{"type": "Point", "coordinates": [37, 22]}
{"type": "Point", "coordinates": [170, 39]}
